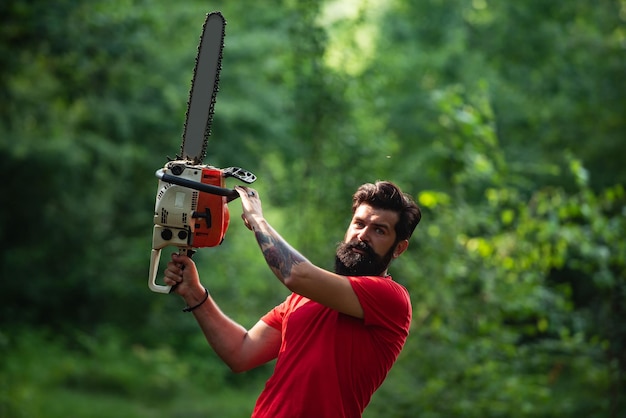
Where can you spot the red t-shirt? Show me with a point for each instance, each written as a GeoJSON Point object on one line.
{"type": "Point", "coordinates": [329, 363]}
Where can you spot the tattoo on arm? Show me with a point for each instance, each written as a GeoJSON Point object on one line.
{"type": "Point", "coordinates": [279, 255]}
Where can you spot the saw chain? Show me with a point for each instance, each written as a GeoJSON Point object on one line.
{"type": "Point", "coordinates": [191, 202]}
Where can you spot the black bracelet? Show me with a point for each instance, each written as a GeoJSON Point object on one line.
{"type": "Point", "coordinates": [191, 308]}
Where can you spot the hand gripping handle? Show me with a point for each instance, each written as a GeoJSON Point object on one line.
{"type": "Point", "coordinates": [158, 243]}
{"type": "Point", "coordinates": [155, 257]}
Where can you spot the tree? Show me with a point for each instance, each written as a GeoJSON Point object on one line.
{"type": "Point", "coordinates": [502, 325]}
{"type": "Point", "coordinates": [82, 120]}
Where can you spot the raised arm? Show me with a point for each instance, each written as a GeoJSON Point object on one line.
{"type": "Point", "coordinates": [297, 273]}
{"type": "Point", "coordinates": [239, 348]}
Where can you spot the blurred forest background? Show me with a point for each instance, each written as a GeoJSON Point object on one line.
{"type": "Point", "coordinates": [505, 119]}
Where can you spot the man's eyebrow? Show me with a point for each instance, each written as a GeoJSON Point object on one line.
{"type": "Point", "coordinates": [384, 226]}
{"type": "Point", "coordinates": [376, 224]}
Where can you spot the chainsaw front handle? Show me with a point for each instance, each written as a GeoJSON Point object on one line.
{"type": "Point", "coordinates": [230, 194]}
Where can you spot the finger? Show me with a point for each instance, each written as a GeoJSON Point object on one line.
{"type": "Point", "coordinates": [170, 282]}
{"type": "Point", "coordinates": [172, 268]}
{"type": "Point", "coordinates": [175, 274]}
{"type": "Point", "coordinates": [181, 260]}
{"type": "Point", "coordinates": [242, 190]}
{"type": "Point", "coordinates": [246, 191]}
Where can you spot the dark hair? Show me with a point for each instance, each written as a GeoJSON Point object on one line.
{"type": "Point", "coordinates": [386, 195]}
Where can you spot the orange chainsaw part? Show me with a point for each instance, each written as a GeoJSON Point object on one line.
{"type": "Point", "coordinates": [211, 217]}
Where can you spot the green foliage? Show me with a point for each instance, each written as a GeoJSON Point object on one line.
{"type": "Point", "coordinates": [518, 313]}
{"type": "Point", "coordinates": [504, 119]}
{"type": "Point", "coordinates": [104, 375]}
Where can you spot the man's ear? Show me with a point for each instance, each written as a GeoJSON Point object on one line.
{"type": "Point", "coordinates": [400, 248]}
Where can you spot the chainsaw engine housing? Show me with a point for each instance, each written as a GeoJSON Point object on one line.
{"type": "Point", "coordinates": [185, 217]}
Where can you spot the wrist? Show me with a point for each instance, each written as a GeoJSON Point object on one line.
{"type": "Point", "coordinates": [257, 222]}
{"type": "Point", "coordinates": [196, 298]}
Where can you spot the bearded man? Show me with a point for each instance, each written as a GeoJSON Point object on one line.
{"type": "Point", "coordinates": [336, 336]}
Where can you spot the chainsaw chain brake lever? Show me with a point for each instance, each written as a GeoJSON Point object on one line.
{"type": "Point", "coordinates": [240, 174]}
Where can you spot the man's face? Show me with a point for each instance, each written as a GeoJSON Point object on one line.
{"type": "Point", "coordinates": [369, 244]}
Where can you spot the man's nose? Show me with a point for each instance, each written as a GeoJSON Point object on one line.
{"type": "Point", "coordinates": [363, 235]}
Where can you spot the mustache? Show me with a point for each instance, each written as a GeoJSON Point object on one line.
{"type": "Point", "coordinates": [360, 245]}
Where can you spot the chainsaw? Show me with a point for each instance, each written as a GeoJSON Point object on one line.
{"type": "Point", "coordinates": [191, 208]}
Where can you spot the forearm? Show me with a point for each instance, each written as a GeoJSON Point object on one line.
{"type": "Point", "coordinates": [239, 348]}
{"type": "Point", "coordinates": [282, 259]}
{"type": "Point", "coordinates": [302, 277]}
{"type": "Point", "coordinates": [224, 335]}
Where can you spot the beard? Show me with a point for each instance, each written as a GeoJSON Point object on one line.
{"type": "Point", "coordinates": [351, 263]}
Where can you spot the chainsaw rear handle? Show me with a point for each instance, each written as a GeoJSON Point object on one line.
{"type": "Point", "coordinates": [155, 257]}
{"type": "Point", "coordinates": [230, 194]}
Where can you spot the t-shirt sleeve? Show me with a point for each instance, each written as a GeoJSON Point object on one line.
{"type": "Point", "coordinates": [275, 317]}
{"type": "Point", "coordinates": [385, 303]}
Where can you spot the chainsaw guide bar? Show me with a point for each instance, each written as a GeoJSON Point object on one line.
{"type": "Point", "coordinates": [191, 208]}
{"type": "Point", "coordinates": [204, 88]}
